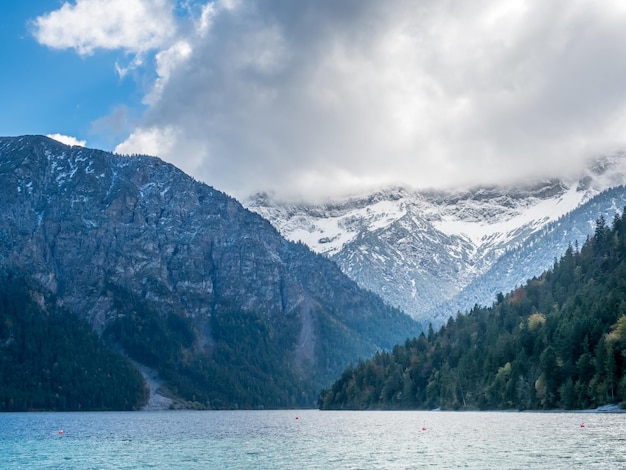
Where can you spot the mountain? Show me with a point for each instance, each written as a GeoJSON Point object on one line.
{"type": "Point", "coordinates": [557, 342]}
{"type": "Point", "coordinates": [181, 278]}
{"type": "Point", "coordinates": [435, 253]}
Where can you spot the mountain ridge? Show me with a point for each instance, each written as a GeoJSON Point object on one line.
{"type": "Point", "coordinates": [420, 249]}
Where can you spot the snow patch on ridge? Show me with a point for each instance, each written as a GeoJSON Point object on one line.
{"type": "Point", "coordinates": [537, 214]}
{"type": "Point", "coordinates": [327, 230]}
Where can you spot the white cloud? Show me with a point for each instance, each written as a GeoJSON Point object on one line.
{"type": "Point", "coordinates": [153, 141]}
{"type": "Point", "coordinates": [325, 97]}
{"type": "Point", "coordinates": [166, 141]}
{"type": "Point", "coordinates": [167, 61]}
{"type": "Point", "coordinates": [132, 25]}
{"type": "Point", "coordinates": [67, 140]}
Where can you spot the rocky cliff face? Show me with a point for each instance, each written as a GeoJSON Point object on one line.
{"type": "Point", "coordinates": [88, 224]}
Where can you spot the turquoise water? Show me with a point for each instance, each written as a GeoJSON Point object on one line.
{"type": "Point", "coordinates": [312, 439]}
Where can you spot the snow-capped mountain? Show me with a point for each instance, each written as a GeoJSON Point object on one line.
{"type": "Point", "coordinates": [433, 253]}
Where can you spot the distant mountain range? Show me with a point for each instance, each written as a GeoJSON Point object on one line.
{"type": "Point", "coordinates": [181, 278]}
{"type": "Point", "coordinates": [435, 253]}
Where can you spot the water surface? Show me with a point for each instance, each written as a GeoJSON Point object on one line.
{"type": "Point", "coordinates": [312, 439]}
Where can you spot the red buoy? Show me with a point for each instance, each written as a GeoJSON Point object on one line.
{"type": "Point", "coordinates": [60, 431]}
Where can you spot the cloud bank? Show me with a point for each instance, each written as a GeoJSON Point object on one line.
{"type": "Point", "coordinates": [315, 99]}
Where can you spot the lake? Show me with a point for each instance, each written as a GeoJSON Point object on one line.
{"type": "Point", "coordinates": [311, 439]}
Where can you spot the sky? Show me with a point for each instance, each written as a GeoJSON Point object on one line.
{"type": "Point", "coordinates": [310, 100]}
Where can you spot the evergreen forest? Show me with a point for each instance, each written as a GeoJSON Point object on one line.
{"type": "Point", "coordinates": [241, 365]}
{"type": "Point", "coordinates": [52, 360]}
{"type": "Point", "coordinates": [559, 342]}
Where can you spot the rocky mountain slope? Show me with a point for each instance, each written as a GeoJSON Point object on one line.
{"type": "Point", "coordinates": [435, 253]}
{"type": "Point", "coordinates": [183, 278]}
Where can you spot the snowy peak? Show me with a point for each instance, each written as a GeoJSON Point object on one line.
{"type": "Point", "coordinates": [477, 216]}
{"type": "Point", "coordinates": [327, 228]}
{"type": "Point", "coordinates": [504, 218]}
{"type": "Point", "coordinates": [418, 249]}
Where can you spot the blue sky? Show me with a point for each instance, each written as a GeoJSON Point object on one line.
{"type": "Point", "coordinates": [317, 99]}
{"type": "Point", "coordinates": [47, 91]}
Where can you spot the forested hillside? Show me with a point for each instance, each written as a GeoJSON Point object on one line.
{"type": "Point", "coordinates": [557, 342]}
{"type": "Point", "coordinates": [52, 360]}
